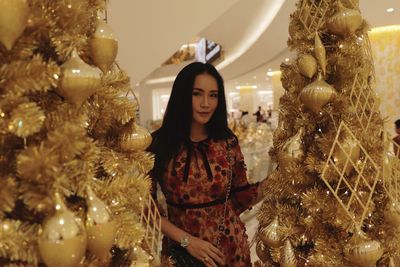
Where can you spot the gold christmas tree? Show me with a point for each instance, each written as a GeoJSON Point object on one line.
{"type": "Point", "coordinates": [73, 184]}
{"type": "Point", "coordinates": [333, 200]}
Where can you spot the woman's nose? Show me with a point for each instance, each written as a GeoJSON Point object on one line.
{"type": "Point", "coordinates": [205, 101]}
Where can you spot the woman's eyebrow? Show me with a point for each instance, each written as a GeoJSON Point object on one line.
{"type": "Point", "coordinates": [212, 91]}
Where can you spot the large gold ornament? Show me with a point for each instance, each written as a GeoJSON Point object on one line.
{"type": "Point", "coordinates": [270, 235]}
{"type": "Point", "coordinates": [79, 80]}
{"type": "Point", "coordinates": [345, 21]}
{"type": "Point", "coordinates": [307, 65]}
{"type": "Point", "coordinates": [320, 53]}
{"type": "Point", "coordinates": [62, 239]}
{"type": "Point", "coordinates": [100, 227]}
{"type": "Point", "coordinates": [288, 258]}
{"type": "Point", "coordinates": [392, 213]}
{"type": "Point", "coordinates": [262, 251]}
{"type": "Point", "coordinates": [362, 250]}
{"type": "Point", "coordinates": [104, 46]}
{"type": "Point", "coordinates": [292, 150]}
{"type": "Point", "coordinates": [350, 149]}
{"type": "Point", "coordinates": [136, 138]}
{"type": "Point", "coordinates": [317, 94]}
{"type": "Point", "coordinates": [13, 20]}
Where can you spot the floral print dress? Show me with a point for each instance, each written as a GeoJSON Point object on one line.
{"type": "Point", "coordinates": [195, 185]}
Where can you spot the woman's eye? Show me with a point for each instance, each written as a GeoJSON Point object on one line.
{"type": "Point", "coordinates": [196, 93]}
{"type": "Point", "coordinates": [214, 95]}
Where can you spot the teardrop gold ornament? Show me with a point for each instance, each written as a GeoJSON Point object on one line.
{"type": "Point", "coordinates": [262, 251]}
{"type": "Point", "coordinates": [288, 257]}
{"type": "Point", "coordinates": [392, 213]}
{"type": "Point", "coordinates": [345, 21]}
{"type": "Point", "coordinates": [317, 94]}
{"type": "Point", "coordinates": [350, 148]}
{"type": "Point", "coordinates": [320, 53]}
{"type": "Point", "coordinates": [270, 235]}
{"type": "Point", "coordinates": [307, 65]}
{"type": "Point", "coordinates": [135, 138]}
{"type": "Point", "coordinates": [362, 250]}
{"type": "Point", "coordinates": [104, 46]}
{"type": "Point", "coordinates": [13, 20]}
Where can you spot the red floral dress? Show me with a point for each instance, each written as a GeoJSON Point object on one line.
{"type": "Point", "coordinates": [195, 185]}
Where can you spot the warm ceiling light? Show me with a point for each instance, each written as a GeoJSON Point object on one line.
{"type": "Point", "coordinates": [287, 59]}
{"type": "Point", "coordinates": [254, 77]}
{"type": "Point", "coordinates": [390, 10]}
{"type": "Point", "coordinates": [246, 87]}
{"type": "Point", "coordinates": [272, 73]}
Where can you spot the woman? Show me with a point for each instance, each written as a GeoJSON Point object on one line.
{"type": "Point", "coordinates": [191, 165]}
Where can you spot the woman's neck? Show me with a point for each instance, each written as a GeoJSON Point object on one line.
{"type": "Point", "coordinates": [198, 132]}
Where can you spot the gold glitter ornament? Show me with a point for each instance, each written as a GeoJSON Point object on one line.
{"type": "Point", "coordinates": [320, 52]}
{"type": "Point", "coordinates": [345, 21]}
{"type": "Point", "coordinates": [79, 80]}
{"type": "Point", "coordinates": [62, 239]}
{"type": "Point", "coordinates": [104, 46]}
{"type": "Point", "coordinates": [350, 149]}
{"type": "Point", "coordinates": [288, 258]}
{"type": "Point", "coordinates": [317, 94]}
{"type": "Point", "coordinates": [270, 234]}
{"type": "Point", "coordinates": [262, 251]}
{"type": "Point", "coordinates": [100, 227]}
{"type": "Point", "coordinates": [307, 65]}
{"type": "Point", "coordinates": [392, 213]}
{"type": "Point", "coordinates": [362, 250]}
{"type": "Point", "coordinates": [13, 20]}
{"type": "Point", "coordinates": [136, 138]}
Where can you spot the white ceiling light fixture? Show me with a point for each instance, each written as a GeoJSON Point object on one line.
{"type": "Point", "coordinates": [389, 10]}
{"type": "Point", "coordinates": [239, 87]}
{"type": "Point", "coordinates": [161, 80]}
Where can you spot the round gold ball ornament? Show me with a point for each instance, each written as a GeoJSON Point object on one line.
{"type": "Point", "coordinates": [392, 213]}
{"type": "Point", "coordinates": [104, 46]}
{"type": "Point", "coordinates": [62, 239]}
{"type": "Point", "coordinates": [262, 251]}
{"type": "Point", "coordinates": [100, 227]}
{"type": "Point", "coordinates": [349, 148]}
{"type": "Point", "coordinates": [345, 21]}
{"type": "Point", "coordinates": [136, 138]}
{"type": "Point", "coordinates": [270, 235]}
{"type": "Point", "coordinates": [317, 94]}
{"type": "Point", "coordinates": [288, 257]}
{"type": "Point", "coordinates": [320, 53]}
{"type": "Point", "coordinates": [362, 250]}
{"type": "Point", "coordinates": [13, 20]}
{"type": "Point", "coordinates": [307, 65]}
{"type": "Point", "coordinates": [79, 80]}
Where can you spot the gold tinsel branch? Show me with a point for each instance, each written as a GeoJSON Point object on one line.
{"type": "Point", "coordinates": [8, 194]}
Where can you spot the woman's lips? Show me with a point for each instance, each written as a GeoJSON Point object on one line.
{"type": "Point", "coordinates": [204, 114]}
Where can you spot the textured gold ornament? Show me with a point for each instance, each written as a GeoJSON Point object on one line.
{"type": "Point", "coordinates": [79, 80]}
{"type": "Point", "coordinates": [62, 239]}
{"type": "Point", "coordinates": [288, 258]}
{"type": "Point", "coordinates": [262, 251]}
{"type": "Point", "coordinates": [345, 21]}
{"type": "Point", "coordinates": [104, 46]}
{"type": "Point", "coordinates": [320, 53]}
{"type": "Point", "coordinates": [307, 65]}
{"type": "Point", "coordinates": [294, 146]}
{"type": "Point", "coordinates": [136, 138]}
{"type": "Point", "coordinates": [13, 20]}
{"type": "Point", "coordinates": [270, 234]}
{"type": "Point", "coordinates": [317, 94]}
{"type": "Point", "coordinates": [392, 213]}
{"type": "Point", "coordinates": [352, 149]}
{"type": "Point", "coordinates": [100, 227]}
{"type": "Point", "coordinates": [362, 250]}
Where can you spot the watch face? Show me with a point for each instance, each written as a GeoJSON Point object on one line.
{"type": "Point", "coordinates": [185, 241]}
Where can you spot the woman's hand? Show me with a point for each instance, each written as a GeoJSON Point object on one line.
{"type": "Point", "coordinates": [205, 252]}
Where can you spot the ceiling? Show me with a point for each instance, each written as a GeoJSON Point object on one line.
{"type": "Point", "coordinates": [253, 35]}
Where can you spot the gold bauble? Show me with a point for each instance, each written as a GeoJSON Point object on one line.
{"type": "Point", "coordinates": [345, 21]}
{"type": "Point", "coordinates": [100, 227]}
{"type": "Point", "coordinates": [135, 138]}
{"type": "Point", "coordinates": [362, 250]}
{"type": "Point", "coordinates": [320, 53]}
{"type": "Point", "coordinates": [270, 235]}
{"type": "Point", "coordinates": [79, 80]}
{"type": "Point", "coordinates": [392, 213]}
{"type": "Point", "coordinates": [13, 20]}
{"type": "Point", "coordinates": [288, 258]}
{"type": "Point", "coordinates": [350, 148]}
{"type": "Point", "coordinates": [317, 94]}
{"type": "Point", "coordinates": [262, 251]}
{"type": "Point", "coordinates": [307, 65]}
{"type": "Point", "coordinates": [62, 239]}
{"type": "Point", "coordinates": [104, 46]}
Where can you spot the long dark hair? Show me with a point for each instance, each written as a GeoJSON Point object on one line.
{"type": "Point", "coordinates": [175, 129]}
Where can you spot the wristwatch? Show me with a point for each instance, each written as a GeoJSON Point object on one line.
{"type": "Point", "coordinates": [185, 241]}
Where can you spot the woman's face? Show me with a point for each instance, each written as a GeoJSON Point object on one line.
{"type": "Point", "coordinates": [204, 98]}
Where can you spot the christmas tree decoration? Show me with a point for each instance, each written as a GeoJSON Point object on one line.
{"type": "Point", "coordinates": [26, 119]}
{"type": "Point", "coordinates": [392, 213]}
{"type": "Point", "coordinates": [135, 138]}
{"type": "Point", "coordinates": [307, 65]}
{"type": "Point", "coordinates": [320, 53]}
{"type": "Point", "coordinates": [262, 251]}
{"type": "Point", "coordinates": [317, 94]}
{"type": "Point", "coordinates": [345, 21]}
{"type": "Point", "coordinates": [62, 239]}
{"type": "Point", "coordinates": [13, 20]}
{"type": "Point", "coordinates": [270, 235]}
{"type": "Point", "coordinates": [104, 46]}
{"type": "Point", "coordinates": [78, 81]}
{"type": "Point", "coordinates": [348, 149]}
{"type": "Point", "coordinates": [362, 250]}
{"type": "Point", "coordinates": [288, 258]}
{"type": "Point", "coordinates": [100, 227]}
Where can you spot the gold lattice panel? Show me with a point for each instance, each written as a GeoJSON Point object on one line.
{"type": "Point", "coordinates": [312, 14]}
{"type": "Point", "coordinates": [391, 169]}
{"type": "Point", "coordinates": [151, 220]}
{"type": "Point", "coordinates": [352, 190]}
{"type": "Point", "coordinates": [363, 100]}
